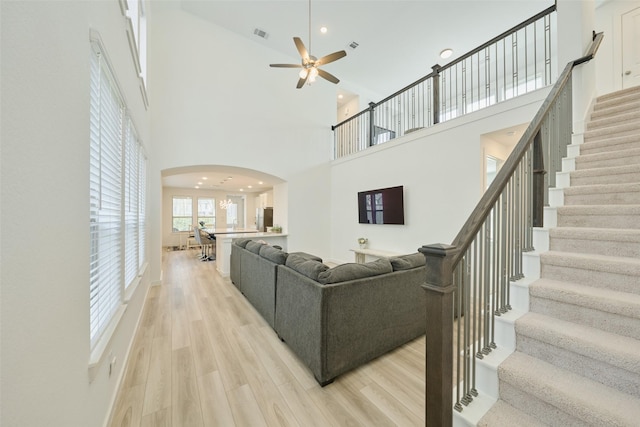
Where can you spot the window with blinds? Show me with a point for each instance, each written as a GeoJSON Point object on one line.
{"type": "Point", "coordinates": [117, 191]}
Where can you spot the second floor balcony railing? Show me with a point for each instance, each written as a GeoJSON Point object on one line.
{"type": "Point", "coordinates": [515, 62]}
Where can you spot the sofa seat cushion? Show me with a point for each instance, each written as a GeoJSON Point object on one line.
{"type": "Point", "coordinates": [273, 254]}
{"type": "Point", "coordinates": [254, 246]}
{"type": "Point", "coordinates": [407, 262]}
{"type": "Point", "coordinates": [353, 271]}
{"type": "Point", "coordinates": [307, 267]}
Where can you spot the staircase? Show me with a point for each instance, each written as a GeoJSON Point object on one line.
{"type": "Point", "coordinates": [577, 358]}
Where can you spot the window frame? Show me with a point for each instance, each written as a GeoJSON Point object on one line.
{"type": "Point", "coordinates": [174, 216]}
{"type": "Point", "coordinates": [117, 203]}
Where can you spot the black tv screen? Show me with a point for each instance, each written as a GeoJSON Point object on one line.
{"type": "Point", "coordinates": [382, 206]}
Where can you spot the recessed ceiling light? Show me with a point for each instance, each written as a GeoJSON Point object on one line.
{"type": "Point", "coordinates": [340, 96]}
{"type": "Point", "coordinates": [197, 186]}
{"type": "Point", "coordinates": [249, 186]}
{"type": "Point", "coordinates": [323, 30]}
{"type": "Point", "coordinates": [260, 182]}
{"type": "Point", "coordinates": [446, 53]}
{"type": "Point", "coordinates": [242, 189]}
{"type": "Point", "coordinates": [205, 178]}
{"type": "Point", "coordinates": [199, 183]}
{"type": "Point", "coordinates": [230, 177]}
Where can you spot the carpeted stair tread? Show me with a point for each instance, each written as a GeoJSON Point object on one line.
{"type": "Point", "coordinates": [613, 349]}
{"type": "Point", "coordinates": [618, 96]}
{"type": "Point", "coordinates": [618, 273]}
{"type": "Point", "coordinates": [598, 194]}
{"type": "Point", "coordinates": [610, 158]}
{"type": "Point", "coordinates": [630, 115]}
{"type": "Point", "coordinates": [599, 216]}
{"type": "Point", "coordinates": [619, 129]}
{"type": "Point", "coordinates": [612, 174]}
{"type": "Point", "coordinates": [620, 143]}
{"type": "Point", "coordinates": [601, 299]}
{"type": "Point", "coordinates": [614, 110]}
{"type": "Point", "coordinates": [611, 311]}
{"type": "Point", "coordinates": [603, 241]}
{"type": "Point", "coordinates": [584, 400]}
{"type": "Point", "coordinates": [503, 414]}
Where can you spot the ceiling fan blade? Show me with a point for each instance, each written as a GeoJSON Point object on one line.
{"type": "Point", "coordinates": [327, 76]}
{"type": "Point", "coordinates": [302, 81]}
{"type": "Point", "coordinates": [286, 65]}
{"type": "Point", "coordinates": [301, 49]}
{"type": "Point", "coordinates": [331, 57]}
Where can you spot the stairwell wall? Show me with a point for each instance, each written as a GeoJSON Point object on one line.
{"type": "Point", "coordinates": [440, 169]}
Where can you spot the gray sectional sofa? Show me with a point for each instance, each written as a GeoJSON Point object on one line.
{"type": "Point", "coordinates": [333, 319]}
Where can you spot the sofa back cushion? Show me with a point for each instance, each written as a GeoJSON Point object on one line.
{"type": "Point", "coordinates": [308, 256]}
{"type": "Point", "coordinates": [307, 267]}
{"type": "Point", "coordinates": [274, 255]}
{"type": "Point", "coordinates": [241, 242]}
{"type": "Point", "coordinates": [407, 262]}
{"type": "Point", "coordinates": [352, 271]}
{"type": "Point", "coordinates": [254, 246]}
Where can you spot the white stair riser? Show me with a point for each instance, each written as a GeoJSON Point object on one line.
{"type": "Point", "coordinates": [556, 197]}
{"type": "Point", "coordinates": [541, 239]}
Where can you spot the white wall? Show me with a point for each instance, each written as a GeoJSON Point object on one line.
{"type": "Point", "coordinates": [440, 169]}
{"type": "Point", "coordinates": [45, 211]}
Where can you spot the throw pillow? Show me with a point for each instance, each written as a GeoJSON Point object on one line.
{"type": "Point", "coordinates": [306, 267]}
{"type": "Point", "coordinates": [352, 271]}
{"type": "Point", "coordinates": [273, 254]}
{"type": "Point", "coordinates": [407, 262]}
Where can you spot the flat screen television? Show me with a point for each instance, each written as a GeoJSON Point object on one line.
{"type": "Point", "coordinates": [381, 206]}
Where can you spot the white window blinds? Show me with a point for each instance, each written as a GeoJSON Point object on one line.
{"type": "Point", "coordinates": [117, 191]}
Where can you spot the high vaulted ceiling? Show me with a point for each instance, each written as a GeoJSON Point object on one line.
{"type": "Point", "coordinates": [398, 41]}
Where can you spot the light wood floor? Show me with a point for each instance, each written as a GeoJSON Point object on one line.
{"type": "Point", "coordinates": [204, 357]}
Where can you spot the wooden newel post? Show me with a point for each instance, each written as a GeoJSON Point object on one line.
{"type": "Point", "coordinates": [439, 373]}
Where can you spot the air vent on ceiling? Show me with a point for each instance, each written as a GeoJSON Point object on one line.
{"type": "Point", "coordinates": [353, 45]}
{"type": "Point", "coordinates": [261, 33]}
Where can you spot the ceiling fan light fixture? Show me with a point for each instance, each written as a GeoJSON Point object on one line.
{"type": "Point", "coordinates": [310, 63]}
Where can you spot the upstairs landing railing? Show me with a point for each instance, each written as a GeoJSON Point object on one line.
{"type": "Point", "coordinates": [471, 276]}
{"type": "Point", "coordinates": [515, 62]}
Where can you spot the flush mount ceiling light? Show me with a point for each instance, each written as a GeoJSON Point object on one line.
{"type": "Point", "coordinates": [310, 64]}
{"type": "Point", "coordinates": [446, 53]}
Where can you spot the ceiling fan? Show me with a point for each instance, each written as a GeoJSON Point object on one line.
{"type": "Point", "coordinates": [310, 64]}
